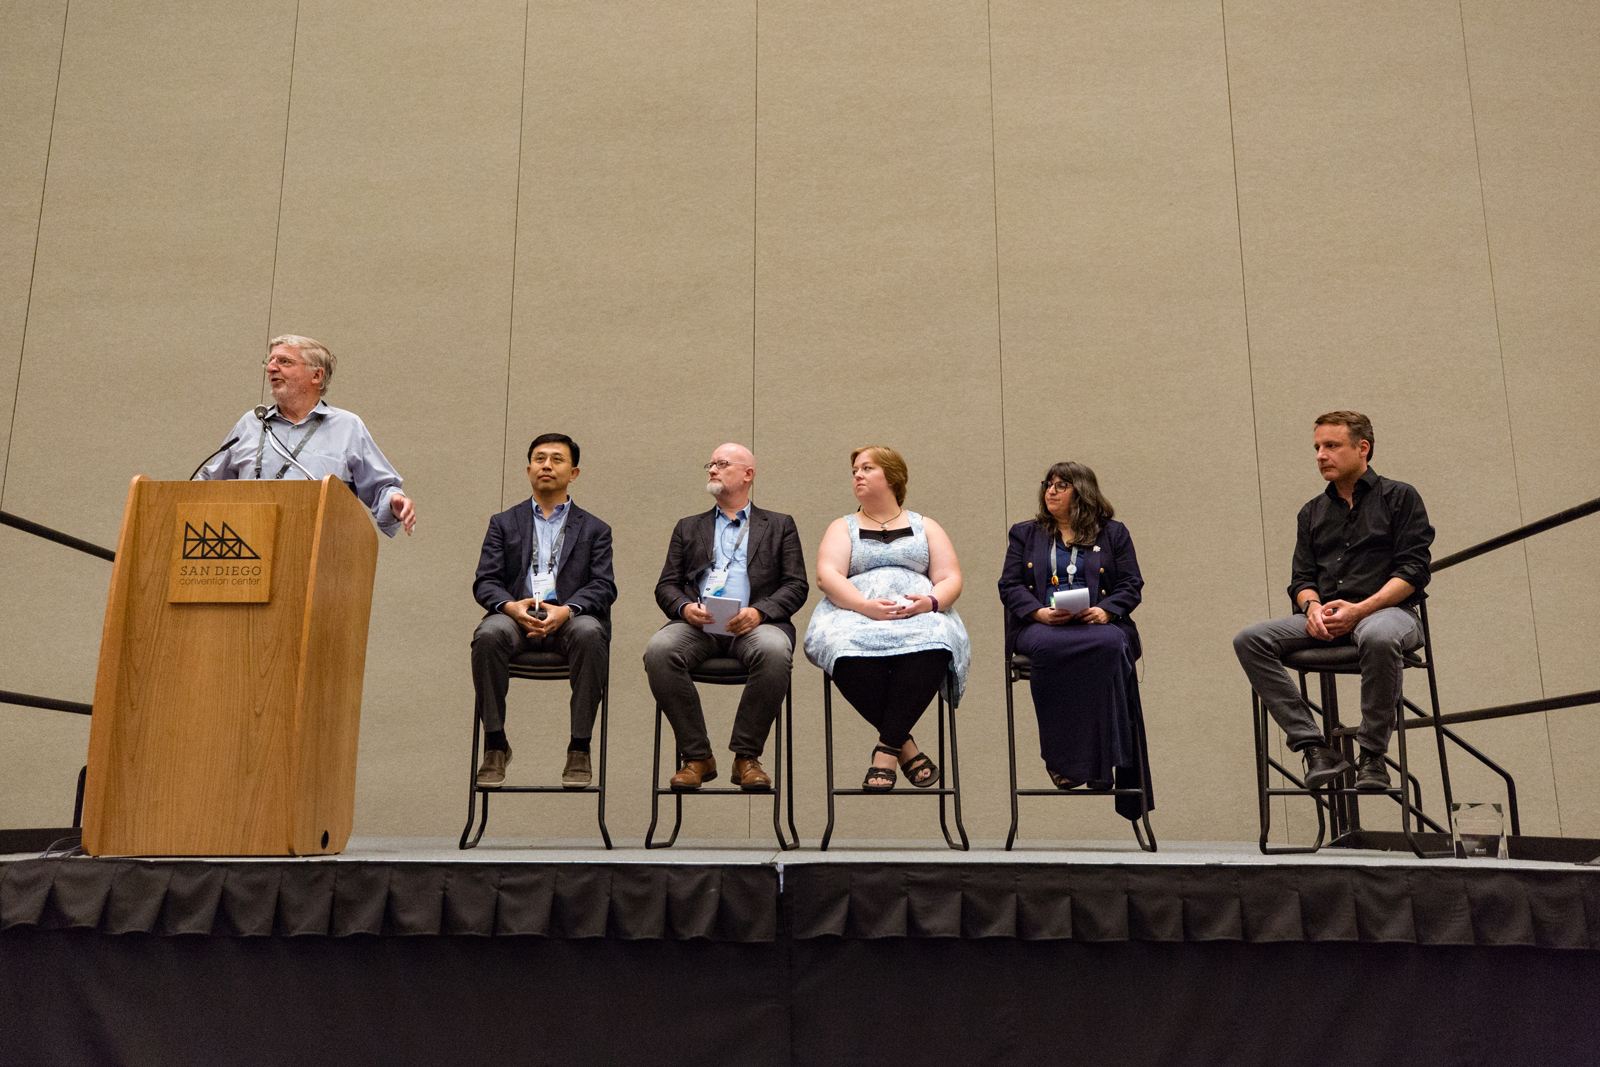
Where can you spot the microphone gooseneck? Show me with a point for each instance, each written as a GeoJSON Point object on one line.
{"type": "Point", "coordinates": [229, 443]}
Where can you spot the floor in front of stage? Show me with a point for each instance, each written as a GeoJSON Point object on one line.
{"type": "Point", "coordinates": [711, 852]}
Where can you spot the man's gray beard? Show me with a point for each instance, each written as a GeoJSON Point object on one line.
{"type": "Point", "coordinates": [715, 488]}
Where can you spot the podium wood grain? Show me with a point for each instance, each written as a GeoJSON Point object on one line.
{"type": "Point", "coordinates": [230, 729]}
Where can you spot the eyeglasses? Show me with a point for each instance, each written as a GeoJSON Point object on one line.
{"type": "Point", "coordinates": [1055, 487]}
{"type": "Point", "coordinates": [282, 361]}
{"type": "Point", "coordinates": [721, 465]}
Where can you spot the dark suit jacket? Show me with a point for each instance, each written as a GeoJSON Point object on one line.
{"type": "Point", "coordinates": [583, 570]}
{"type": "Point", "coordinates": [775, 563]}
{"type": "Point", "coordinates": [1113, 577]}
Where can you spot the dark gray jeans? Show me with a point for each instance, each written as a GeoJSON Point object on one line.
{"type": "Point", "coordinates": [1381, 638]}
{"type": "Point", "coordinates": [581, 639]}
{"type": "Point", "coordinates": [678, 648]}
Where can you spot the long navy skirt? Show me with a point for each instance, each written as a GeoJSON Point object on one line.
{"type": "Point", "coordinates": [1086, 695]}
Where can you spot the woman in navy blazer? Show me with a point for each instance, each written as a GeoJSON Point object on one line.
{"type": "Point", "coordinates": [1085, 689]}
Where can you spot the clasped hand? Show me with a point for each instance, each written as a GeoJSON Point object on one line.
{"type": "Point", "coordinates": [1333, 619]}
{"type": "Point", "coordinates": [883, 610]}
{"type": "Point", "coordinates": [698, 615]}
{"type": "Point", "coordinates": [1056, 617]}
{"type": "Point", "coordinates": [521, 612]}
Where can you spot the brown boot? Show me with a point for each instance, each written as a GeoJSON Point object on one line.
{"type": "Point", "coordinates": [748, 775]}
{"type": "Point", "coordinates": [693, 773]}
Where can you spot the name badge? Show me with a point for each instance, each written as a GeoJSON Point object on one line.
{"type": "Point", "coordinates": [543, 585]}
{"type": "Point", "coordinates": [716, 583]}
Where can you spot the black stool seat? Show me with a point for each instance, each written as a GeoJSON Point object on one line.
{"type": "Point", "coordinates": [539, 665]}
{"type": "Point", "coordinates": [1021, 664]}
{"type": "Point", "coordinates": [1336, 659]}
{"type": "Point", "coordinates": [721, 670]}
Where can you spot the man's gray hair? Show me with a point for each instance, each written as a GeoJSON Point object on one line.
{"type": "Point", "coordinates": [315, 353]}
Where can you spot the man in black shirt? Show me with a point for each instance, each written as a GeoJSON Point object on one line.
{"type": "Point", "coordinates": [1361, 561]}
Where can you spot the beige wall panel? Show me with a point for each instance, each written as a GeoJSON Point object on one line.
{"type": "Point", "coordinates": [632, 334]}
{"type": "Point", "coordinates": [1368, 287]}
{"type": "Point", "coordinates": [876, 323]}
{"type": "Point", "coordinates": [396, 250]}
{"type": "Point", "coordinates": [1120, 297]}
{"type": "Point", "coordinates": [1536, 101]}
{"type": "Point", "coordinates": [30, 55]}
{"type": "Point", "coordinates": [149, 300]}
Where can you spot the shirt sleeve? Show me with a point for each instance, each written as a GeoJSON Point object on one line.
{"type": "Point", "coordinates": [1303, 572]}
{"type": "Point", "coordinates": [376, 480]}
{"type": "Point", "coordinates": [1413, 537]}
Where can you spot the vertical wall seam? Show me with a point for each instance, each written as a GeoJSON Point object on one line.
{"type": "Point", "coordinates": [1505, 390]}
{"type": "Point", "coordinates": [755, 208]}
{"type": "Point", "coordinates": [33, 266]}
{"type": "Point", "coordinates": [1249, 352]}
{"type": "Point", "coordinates": [283, 173]}
{"type": "Point", "coordinates": [999, 329]}
{"type": "Point", "coordinates": [516, 224]}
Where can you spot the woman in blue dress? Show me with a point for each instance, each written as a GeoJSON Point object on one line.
{"type": "Point", "coordinates": [1085, 689]}
{"type": "Point", "coordinates": [888, 632]}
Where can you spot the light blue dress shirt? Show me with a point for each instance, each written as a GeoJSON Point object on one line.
{"type": "Point", "coordinates": [340, 446]}
{"type": "Point", "coordinates": [725, 557]}
{"type": "Point", "coordinates": [548, 530]}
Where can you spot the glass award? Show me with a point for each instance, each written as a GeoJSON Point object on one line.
{"type": "Point", "coordinates": [1478, 831]}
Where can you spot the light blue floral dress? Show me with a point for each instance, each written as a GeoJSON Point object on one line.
{"type": "Point", "coordinates": [885, 571]}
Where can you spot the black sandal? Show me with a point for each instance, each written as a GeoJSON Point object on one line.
{"type": "Point", "coordinates": [920, 771]}
{"type": "Point", "coordinates": [880, 779]}
{"type": "Point", "coordinates": [1061, 781]}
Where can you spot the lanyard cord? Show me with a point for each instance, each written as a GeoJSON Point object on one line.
{"type": "Point", "coordinates": [1072, 564]}
{"type": "Point", "coordinates": [555, 549]}
{"type": "Point", "coordinates": [261, 444]}
{"type": "Point", "coordinates": [744, 528]}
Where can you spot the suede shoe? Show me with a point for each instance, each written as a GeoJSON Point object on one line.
{"type": "Point", "coordinates": [1323, 765]}
{"type": "Point", "coordinates": [748, 775]}
{"type": "Point", "coordinates": [492, 772]}
{"type": "Point", "coordinates": [576, 774]}
{"type": "Point", "coordinates": [693, 773]}
{"type": "Point", "coordinates": [1372, 775]}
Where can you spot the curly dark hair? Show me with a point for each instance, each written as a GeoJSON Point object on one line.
{"type": "Point", "coordinates": [1090, 510]}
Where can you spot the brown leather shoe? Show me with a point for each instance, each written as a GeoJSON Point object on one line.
{"type": "Point", "coordinates": [576, 774]}
{"type": "Point", "coordinates": [693, 773]}
{"type": "Point", "coordinates": [748, 775]}
{"type": "Point", "coordinates": [492, 772]}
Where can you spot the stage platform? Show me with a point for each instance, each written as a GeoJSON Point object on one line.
{"type": "Point", "coordinates": [410, 951]}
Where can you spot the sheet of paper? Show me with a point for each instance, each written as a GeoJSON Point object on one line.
{"type": "Point", "coordinates": [722, 609]}
{"type": "Point", "coordinates": [1073, 600]}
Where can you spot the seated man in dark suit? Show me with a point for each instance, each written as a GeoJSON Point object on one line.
{"type": "Point", "coordinates": [735, 550]}
{"type": "Point", "coordinates": [544, 578]}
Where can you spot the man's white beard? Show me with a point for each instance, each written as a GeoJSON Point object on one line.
{"type": "Point", "coordinates": [715, 488]}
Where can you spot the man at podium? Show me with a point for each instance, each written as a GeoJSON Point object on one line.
{"type": "Point", "coordinates": [300, 436]}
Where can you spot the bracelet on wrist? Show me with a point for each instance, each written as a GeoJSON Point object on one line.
{"type": "Point", "coordinates": [935, 601]}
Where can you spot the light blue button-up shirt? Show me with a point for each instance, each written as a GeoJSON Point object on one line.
{"type": "Point", "coordinates": [548, 530]}
{"type": "Point", "coordinates": [341, 446]}
{"type": "Point", "coordinates": [725, 557]}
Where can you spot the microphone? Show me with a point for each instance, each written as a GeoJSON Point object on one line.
{"type": "Point", "coordinates": [261, 411]}
{"type": "Point", "coordinates": [229, 443]}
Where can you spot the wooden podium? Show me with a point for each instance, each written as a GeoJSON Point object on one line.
{"type": "Point", "coordinates": [228, 699]}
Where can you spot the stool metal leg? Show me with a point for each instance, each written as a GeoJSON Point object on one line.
{"type": "Point", "coordinates": [467, 840]}
{"type": "Point", "coordinates": [655, 796]}
{"type": "Point", "coordinates": [605, 713]}
{"type": "Point", "coordinates": [784, 845]}
{"type": "Point", "coordinates": [953, 768]}
{"type": "Point", "coordinates": [827, 748]}
{"type": "Point", "coordinates": [1146, 840]}
{"type": "Point", "coordinates": [1011, 750]}
{"type": "Point", "coordinates": [788, 727]}
{"type": "Point", "coordinates": [1258, 712]}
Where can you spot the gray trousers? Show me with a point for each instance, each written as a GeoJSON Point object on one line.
{"type": "Point", "coordinates": [1381, 638]}
{"type": "Point", "coordinates": [582, 639]}
{"type": "Point", "coordinates": [678, 648]}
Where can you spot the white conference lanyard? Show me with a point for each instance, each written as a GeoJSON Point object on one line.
{"type": "Point", "coordinates": [261, 444]}
{"type": "Point", "coordinates": [718, 581]}
{"type": "Point", "coordinates": [1072, 565]}
{"type": "Point", "coordinates": [544, 575]}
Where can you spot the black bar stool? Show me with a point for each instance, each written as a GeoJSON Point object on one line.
{"type": "Point", "coordinates": [1018, 669]}
{"type": "Point", "coordinates": [537, 666]}
{"type": "Point", "coordinates": [724, 670]}
{"type": "Point", "coordinates": [951, 769]}
{"type": "Point", "coordinates": [1342, 804]}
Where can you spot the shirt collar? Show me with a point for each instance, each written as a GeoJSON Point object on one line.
{"type": "Point", "coordinates": [742, 515]}
{"type": "Point", "coordinates": [555, 512]}
{"type": "Point", "coordinates": [320, 406]}
{"type": "Point", "coordinates": [1368, 480]}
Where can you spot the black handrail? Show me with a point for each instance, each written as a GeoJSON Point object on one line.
{"type": "Point", "coordinates": [27, 701]}
{"type": "Point", "coordinates": [27, 526]}
{"type": "Point", "coordinates": [1506, 711]}
{"type": "Point", "coordinates": [1560, 518]}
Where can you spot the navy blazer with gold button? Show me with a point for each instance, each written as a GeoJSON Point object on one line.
{"type": "Point", "coordinates": [1113, 578]}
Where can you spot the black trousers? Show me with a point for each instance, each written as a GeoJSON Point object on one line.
{"type": "Point", "coordinates": [892, 692]}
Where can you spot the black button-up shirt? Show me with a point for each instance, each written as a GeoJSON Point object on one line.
{"type": "Point", "coordinates": [1348, 553]}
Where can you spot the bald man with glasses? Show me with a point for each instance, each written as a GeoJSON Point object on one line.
{"type": "Point", "coordinates": [737, 551]}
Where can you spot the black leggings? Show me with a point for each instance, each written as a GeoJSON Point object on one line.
{"type": "Point", "coordinates": [892, 692]}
